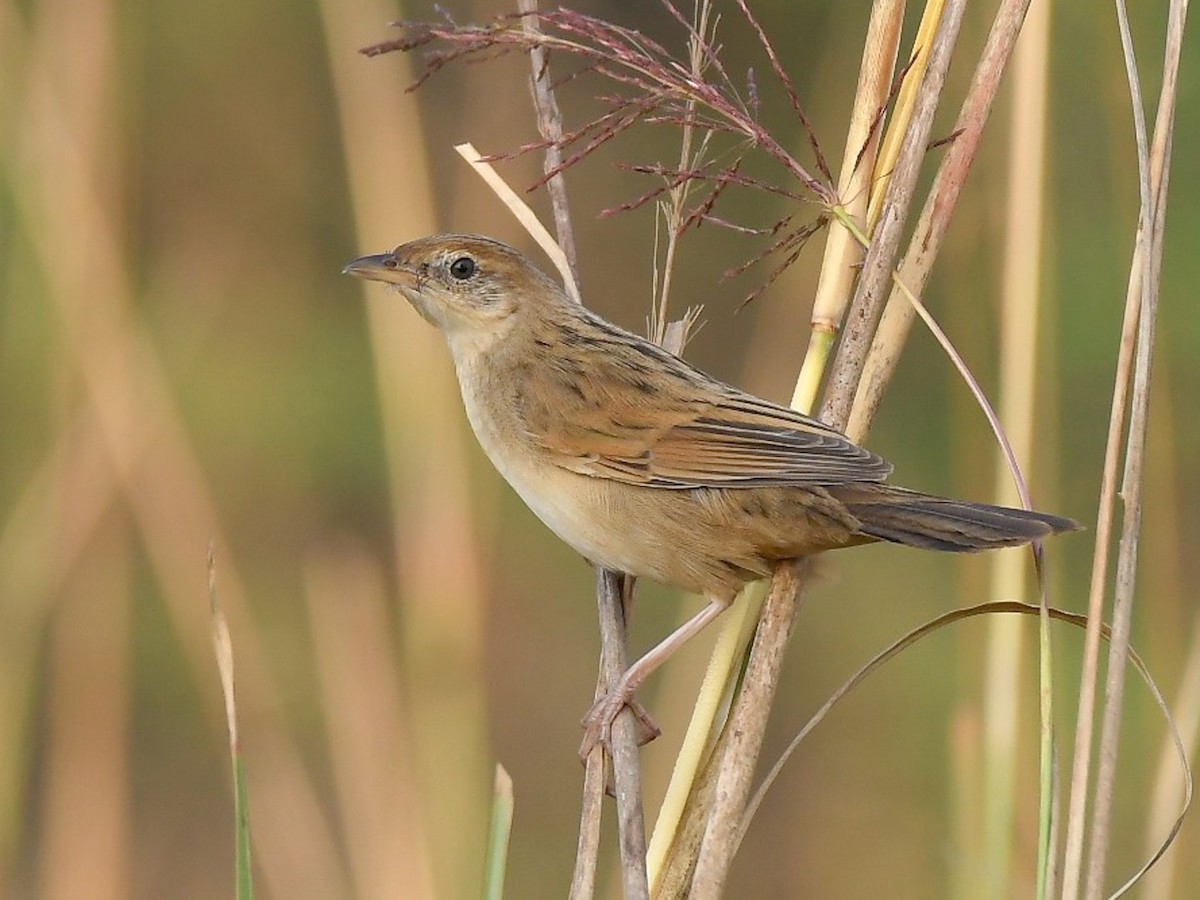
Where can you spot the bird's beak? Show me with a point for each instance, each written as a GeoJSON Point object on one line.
{"type": "Point", "coordinates": [380, 267]}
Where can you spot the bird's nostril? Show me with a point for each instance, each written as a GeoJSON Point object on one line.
{"type": "Point", "coordinates": [390, 262]}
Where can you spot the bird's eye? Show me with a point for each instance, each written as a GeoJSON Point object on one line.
{"type": "Point", "coordinates": [462, 268]}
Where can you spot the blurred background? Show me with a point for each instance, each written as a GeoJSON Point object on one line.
{"type": "Point", "coordinates": [181, 363]}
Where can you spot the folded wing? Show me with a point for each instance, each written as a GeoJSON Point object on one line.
{"type": "Point", "coordinates": [686, 431]}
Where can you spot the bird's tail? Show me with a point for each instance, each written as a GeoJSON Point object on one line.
{"type": "Point", "coordinates": [935, 523]}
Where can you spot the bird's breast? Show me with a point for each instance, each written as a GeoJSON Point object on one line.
{"type": "Point", "coordinates": [587, 513]}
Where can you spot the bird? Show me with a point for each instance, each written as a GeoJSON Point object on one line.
{"type": "Point", "coordinates": [648, 466]}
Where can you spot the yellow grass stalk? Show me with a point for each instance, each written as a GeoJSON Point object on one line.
{"type": "Point", "coordinates": [1021, 295]}
{"type": "Point", "coordinates": [893, 139]}
{"type": "Point", "coordinates": [520, 209]}
{"type": "Point", "coordinates": [843, 252]}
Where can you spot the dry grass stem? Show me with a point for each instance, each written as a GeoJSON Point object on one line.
{"type": "Point", "coordinates": [1153, 178]}
{"type": "Point", "coordinates": [591, 810]}
{"type": "Point", "coordinates": [675, 879]}
{"type": "Point", "coordinates": [674, 209]}
{"type": "Point", "coordinates": [912, 77]}
{"type": "Point", "coordinates": [223, 650]}
{"type": "Point", "coordinates": [526, 216]}
{"type": "Point", "coordinates": [1081, 765]}
{"type": "Point", "coordinates": [1133, 365]}
{"type": "Point", "coordinates": [549, 122]}
{"type": "Point", "coordinates": [842, 251]}
{"type": "Point", "coordinates": [936, 214]}
{"type": "Point", "coordinates": [746, 727]}
{"type": "Point", "coordinates": [631, 827]}
{"type": "Point", "coordinates": [871, 292]}
{"type": "Point", "coordinates": [732, 786]}
{"type": "Point", "coordinates": [737, 765]}
{"type": "Point", "coordinates": [691, 789]}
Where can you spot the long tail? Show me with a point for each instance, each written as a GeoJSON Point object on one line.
{"type": "Point", "coordinates": [921, 520]}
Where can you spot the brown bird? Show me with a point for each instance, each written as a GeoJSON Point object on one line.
{"type": "Point", "coordinates": [643, 463]}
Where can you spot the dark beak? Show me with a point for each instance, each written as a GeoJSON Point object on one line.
{"type": "Point", "coordinates": [380, 267]}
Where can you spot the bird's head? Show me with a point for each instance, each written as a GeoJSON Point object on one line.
{"type": "Point", "coordinates": [472, 288]}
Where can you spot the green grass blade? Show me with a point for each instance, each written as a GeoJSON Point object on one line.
{"type": "Point", "coordinates": [241, 812]}
{"type": "Point", "coordinates": [1048, 783]}
{"type": "Point", "coordinates": [498, 834]}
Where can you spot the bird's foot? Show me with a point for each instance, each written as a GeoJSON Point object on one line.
{"type": "Point", "coordinates": [597, 724]}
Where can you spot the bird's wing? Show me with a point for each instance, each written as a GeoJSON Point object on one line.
{"type": "Point", "coordinates": [686, 431]}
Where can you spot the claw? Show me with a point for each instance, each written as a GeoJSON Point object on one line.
{"type": "Point", "coordinates": [597, 724]}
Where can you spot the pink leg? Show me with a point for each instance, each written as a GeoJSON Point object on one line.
{"type": "Point", "coordinates": [597, 724]}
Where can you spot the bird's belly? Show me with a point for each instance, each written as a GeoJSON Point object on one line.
{"type": "Point", "coordinates": [661, 535]}
{"type": "Point", "coordinates": [579, 510]}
